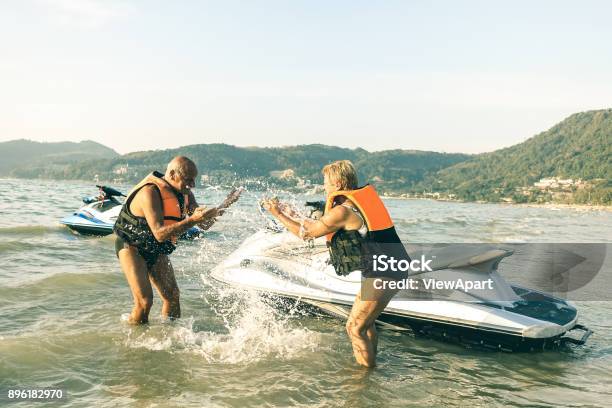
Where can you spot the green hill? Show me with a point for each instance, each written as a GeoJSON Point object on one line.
{"type": "Point", "coordinates": [580, 147]}
{"type": "Point", "coordinates": [574, 158]}
{"type": "Point", "coordinates": [396, 170]}
{"type": "Point", "coordinates": [393, 170]}
{"type": "Point", "coordinates": [22, 154]}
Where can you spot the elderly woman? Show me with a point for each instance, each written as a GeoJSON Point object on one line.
{"type": "Point", "coordinates": [357, 226]}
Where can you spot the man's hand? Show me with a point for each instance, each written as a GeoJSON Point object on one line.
{"type": "Point", "coordinates": [231, 198]}
{"type": "Point", "coordinates": [201, 214]}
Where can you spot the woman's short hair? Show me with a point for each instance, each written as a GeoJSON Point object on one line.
{"type": "Point", "coordinates": [342, 172]}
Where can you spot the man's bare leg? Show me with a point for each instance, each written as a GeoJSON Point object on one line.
{"type": "Point", "coordinates": [136, 273]}
{"type": "Point", "coordinates": [162, 277]}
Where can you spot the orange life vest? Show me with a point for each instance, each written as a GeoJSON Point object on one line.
{"type": "Point", "coordinates": [348, 250]}
{"type": "Point", "coordinates": [171, 205]}
{"type": "Point", "coordinates": [369, 204]}
{"type": "Point", "coordinates": [173, 212]}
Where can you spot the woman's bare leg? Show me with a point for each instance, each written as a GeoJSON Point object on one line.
{"type": "Point", "coordinates": [372, 334]}
{"type": "Point", "coordinates": [360, 325]}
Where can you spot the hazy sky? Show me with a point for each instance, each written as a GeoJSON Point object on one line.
{"type": "Point", "coordinates": [467, 76]}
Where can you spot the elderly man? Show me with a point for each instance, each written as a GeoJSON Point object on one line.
{"type": "Point", "coordinates": [156, 212]}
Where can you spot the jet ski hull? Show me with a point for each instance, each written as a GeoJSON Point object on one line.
{"type": "Point", "coordinates": [85, 226]}
{"type": "Point", "coordinates": [466, 335]}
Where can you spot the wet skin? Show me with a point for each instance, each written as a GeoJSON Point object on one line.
{"type": "Point", "coordinates": [142, 278]}
{"type": "Point", "coordinates": [360, 326]}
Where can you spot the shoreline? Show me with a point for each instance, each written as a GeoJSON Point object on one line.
{"type": "Point", "coordinates": [561, 206]}
{"type": "Point", "coordinates": [550, 206]}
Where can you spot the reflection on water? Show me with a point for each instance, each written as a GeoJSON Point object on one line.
{"type": "Point", "coordinates": [62, 297]}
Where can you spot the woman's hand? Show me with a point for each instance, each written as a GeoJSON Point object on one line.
{"type": "Point", "coordinates": [272, 205]}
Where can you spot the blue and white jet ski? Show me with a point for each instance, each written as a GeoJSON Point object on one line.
{"type": "Point", "coordinates": [98, 215]}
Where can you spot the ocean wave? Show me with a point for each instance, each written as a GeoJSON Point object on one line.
{"type": "Point", "coordinates": [31, 230]}
{"type": "Point", "coordinates": [58, 283]}
{"type": "Point", "coordinates": [445, 221]}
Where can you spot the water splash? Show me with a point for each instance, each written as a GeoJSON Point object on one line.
{"type": "Point", "coordinates": [250, 327]}
{"type": "Point", "coordinates": [254, 331]}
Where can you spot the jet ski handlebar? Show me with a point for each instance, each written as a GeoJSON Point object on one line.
{"type": "Point", "coordinates": [318, 209]}
{"type": "Point", "coordinates": [110, 192]}
{"type": "Point", "coordinates": [316, 205]}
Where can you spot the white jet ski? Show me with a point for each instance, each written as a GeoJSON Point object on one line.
{"type": "Point", "coordinates": [506, 317]}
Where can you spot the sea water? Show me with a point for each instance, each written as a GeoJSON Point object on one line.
{"type": "Point", "coordinates": [62, 297]}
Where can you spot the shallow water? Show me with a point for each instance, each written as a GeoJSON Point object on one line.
{"type": "Point", "coordinates": [62, 297]}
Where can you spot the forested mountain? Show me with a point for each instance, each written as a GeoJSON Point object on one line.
{"type": "Point", "coordinates": [20, 154]}
{"type": "Point", "coordinates": [571, 162]}
{"type": "Point", "coordinates": [578, 148]}
{"type": "Point", "coordinates": [225, 164]}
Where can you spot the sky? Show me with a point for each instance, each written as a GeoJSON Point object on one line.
{"type": "Point", "coordinates": [451, 76]}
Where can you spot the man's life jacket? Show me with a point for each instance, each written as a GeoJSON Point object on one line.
{"type": "Point", "coordinates": [136, 231]}
{"type": "Point", "coordinates": [348, 250]}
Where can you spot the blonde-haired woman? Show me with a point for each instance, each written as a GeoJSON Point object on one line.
{"type": "Point", "coordinates": [357, 225]}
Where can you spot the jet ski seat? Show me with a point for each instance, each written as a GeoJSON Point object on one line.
{"type": "Point", "coordinates": [476, 256]}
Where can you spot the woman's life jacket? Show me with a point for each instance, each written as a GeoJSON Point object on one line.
{"type": "Point", "coordinates": [136, 231]}
{"type": "Point", "coordinates": [348, 250]}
